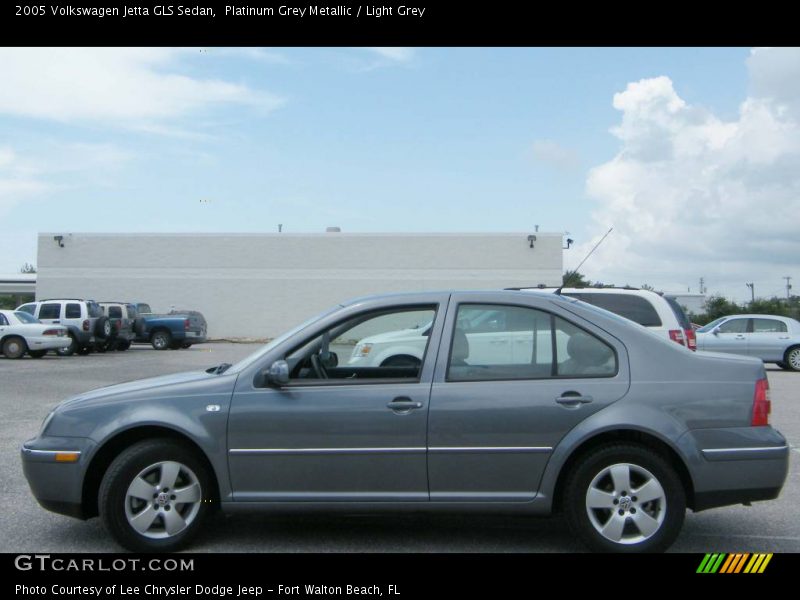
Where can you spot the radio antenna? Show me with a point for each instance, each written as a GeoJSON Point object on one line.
{"type": "Point", "coordinates": [575, 270]}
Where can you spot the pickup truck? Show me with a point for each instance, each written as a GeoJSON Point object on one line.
{"type": "Point", "coordinates": [176, 329]}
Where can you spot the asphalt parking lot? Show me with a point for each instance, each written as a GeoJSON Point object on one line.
{"type": "Point", "coordinates": [30, 388]}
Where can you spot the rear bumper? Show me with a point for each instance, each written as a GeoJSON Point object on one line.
{"type": "Point", "coordinates": [47, 342]}
{"type": "Point", "coordinates": [735, 465]}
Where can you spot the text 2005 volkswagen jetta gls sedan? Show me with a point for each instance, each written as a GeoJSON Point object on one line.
{"type": "Point", "coordinates": [522, 403]}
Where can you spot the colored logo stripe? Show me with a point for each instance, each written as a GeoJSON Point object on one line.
{"type": "Point", "coordinates": [734, 563]}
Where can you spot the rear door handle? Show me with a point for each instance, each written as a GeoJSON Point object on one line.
{"type": "Point", "coordinates": [403, 404]}
{"type": "Point", "coordinates": [573, 399]}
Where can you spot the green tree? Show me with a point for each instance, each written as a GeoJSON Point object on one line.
{"type": "Point", "coordinates": [575, 279]}
{"type": "Point", "coordinates": [28, 268]}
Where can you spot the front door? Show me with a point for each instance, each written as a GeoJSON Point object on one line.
{"type": "Point", "coordinates": [352, 423]}
{"type": "Point", "coordinates": [495, 418]}
{"type": "Point", "coordinates": [730, 337]}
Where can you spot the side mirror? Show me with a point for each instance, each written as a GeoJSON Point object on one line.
{"type": "Point", "coordinates": [278, 373]}
{"type": "Point", "coordinates": [715, 331]}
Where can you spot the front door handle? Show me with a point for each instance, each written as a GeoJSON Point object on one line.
{"type": "Point", "coordinates": [573, 399]}
{"type": "Point", "coordinates": [403, 404]}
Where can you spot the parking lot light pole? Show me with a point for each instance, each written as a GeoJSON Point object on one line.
{"type": "Point", "coordinates": [752, 292]}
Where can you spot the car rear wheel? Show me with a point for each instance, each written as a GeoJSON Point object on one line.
{"type": "Point", "coordinates": [123, 345]}
{"type": "Point", "coordinates": [624, 498]}
{"type": "Point", "coordinates": [69, 350]}
{"type": "Point", "coordinates": [14, 347]}
{"type": "Point", "coordinates": [792, 358]}
{"type": "Point", "coordinates": [161, 340]}
{"type": "Point", "coordinates": [155, 496]}
{"type": "Point", "coordinates": [37, 353]}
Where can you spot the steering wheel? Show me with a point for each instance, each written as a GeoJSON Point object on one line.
{"type": "Point", "coordinates": [317, 366]}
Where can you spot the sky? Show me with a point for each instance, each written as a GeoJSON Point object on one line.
{"type": "Point", "coordinates": [692, 155]}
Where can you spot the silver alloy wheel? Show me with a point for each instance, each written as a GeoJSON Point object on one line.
{"type": "Point", "coordinates": [794, 359]}
{"type": "Point", "coordinates": [626, 504]}
{"type": "Point", "coordinates": [163, 500]}
{"type": "Point", "coordinates": [13, 348]}
{"type": "Point", "coordinates": [107, 328]}
{"type": "Point", "coordinates": [160, 341]}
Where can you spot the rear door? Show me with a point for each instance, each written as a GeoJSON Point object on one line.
{"type": "Point", "coordinates": [494, 421]}
{"type": "Point", "coordinates": [768, 340]}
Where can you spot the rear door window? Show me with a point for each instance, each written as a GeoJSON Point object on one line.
{"type": "Point", "coordinates": [769, 326]}
{"type": "Point", "coordinates": [50, 311]}
{"type": "Point", "coordinates": [115, 312]}
{"type": "Point", "coordinates": [679, 314]}
{"type": "Point", "coordinates": [73, 311]}
{"type": "Point", "coordinates": [635, 308]}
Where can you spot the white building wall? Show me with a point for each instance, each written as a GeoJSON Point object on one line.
{"type": "Point", "coordinates": [259, 285]}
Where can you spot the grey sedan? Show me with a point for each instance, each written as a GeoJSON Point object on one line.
{"type": "Point", "coordinates": [566, 407]}
{"type": "Point", "coordinates": [771, 338]}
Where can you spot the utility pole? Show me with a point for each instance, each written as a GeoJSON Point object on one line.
{"type": "Point", "coordinates": [702, 288]}
{"type": "Point", "coordinates": [788, 287]}
{"type": "Point", "coordinates": [752, 292]}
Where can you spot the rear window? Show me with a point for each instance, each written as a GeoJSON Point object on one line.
{"type": "Point", "coordinates": [94, 309]}
{"type": "Point", "coordinates": [635, 308]}
{"type": "Point", "coordinates": [115, 312]}
{"type": "Point", "coordinates": [679, 314]}
{"type": "Point", "coordinates": [28, 308]}
{"type": "Point", "coordinates": [50, 311]}
{"type": "Point", "coordinates": [25, 317]}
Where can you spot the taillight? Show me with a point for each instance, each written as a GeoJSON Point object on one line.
{"type": "Point", "coordinates": [761, 404]}
{"type": "Point", "coordinates": [676, 335]}
{"type": "Point", "coordinates": [86, 325]}
{"type": "Point", "coordinates": [52, 332]}
{"type": "Point", "coordinates": [118, 325]}
{"type": "Point", "coordinates": [186, 324]}
{"type": "Point", "coordinates": [691, 339]}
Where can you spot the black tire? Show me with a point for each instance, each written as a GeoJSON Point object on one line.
{"type": "Point", "coordinates": [161, 340]}
{"type": "Point", "coordinates": [123, 345]}
{"type": "Point", "coordinates": [175, 346]}
{"type": "Point", "coordinates": [37, 353]}
{"type": "Point", "coordinates": [792, 358]}
{"type": "Point", "coordinates": [101, 348]}
{"type": "Point", "coordinates": [117, 506]}
{"type": "Point", "coordinates": [103, 328]}
{"type": "Point", "coordinates": [664, 514]}
{"type": "Point", "coordinates": [186, 345]}
{"type": "Point", "coordinates": [84, 350]}
{"type": "Point", "coordinates": [69, 350]}
{"type": "Point", "coordinates": [14, 347]}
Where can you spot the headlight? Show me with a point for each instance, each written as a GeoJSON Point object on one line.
{"type": "Point", "coordinates": [46, 422]}
{"type": "Point", "coordinates": [362, 350]}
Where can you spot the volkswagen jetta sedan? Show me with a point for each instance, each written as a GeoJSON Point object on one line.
{"type": "Point", "coordinates": [576, 410]}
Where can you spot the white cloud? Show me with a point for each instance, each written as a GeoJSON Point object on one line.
{"type": "Point", "coordinates": [690, 195]}
{"type": "Point", "coordinates": [126, 86]}
{"type": "Point", "coordinates": [16, 181]}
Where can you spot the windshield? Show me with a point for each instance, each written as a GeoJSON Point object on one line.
{"type": "Point", "coordinates": [710, 326]}
{"type": "Point", "coordinates": [249, 360]}
{"type": "Point", "coordinates": [24, 317]}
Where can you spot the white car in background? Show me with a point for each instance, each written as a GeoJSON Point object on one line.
{"type": "Point", "coordinates": [771, 338]}
{"type": "Point", "coordinates": [21, 333]}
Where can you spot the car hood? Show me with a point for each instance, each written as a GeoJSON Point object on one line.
{"type": "Point", "coordinates": [139, 385]}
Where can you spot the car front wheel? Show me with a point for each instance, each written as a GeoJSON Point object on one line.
{"type": "Point", "coordinates": [155, 496]}
{"type": "Point", "coordinates": [624, 498]}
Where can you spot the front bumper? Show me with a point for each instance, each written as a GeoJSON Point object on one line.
{"type": "Point", "coordinates": [735, 465]}
{"type": "Point", "coordinates": [57, 484]}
